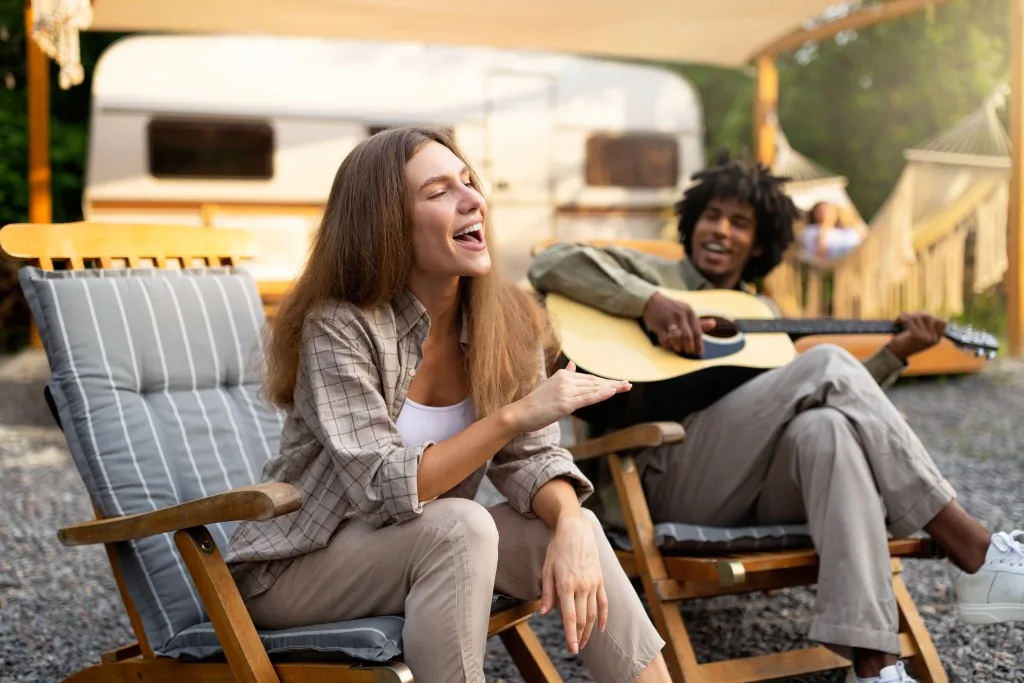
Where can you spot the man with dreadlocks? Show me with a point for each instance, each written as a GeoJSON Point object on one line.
{"type": "Point", "coordinates": [812, 441]}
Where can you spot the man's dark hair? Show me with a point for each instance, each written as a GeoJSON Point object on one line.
{"type": "Point", "coordinates": [754, 184]}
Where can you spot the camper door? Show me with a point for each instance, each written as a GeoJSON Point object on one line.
{"type": "Point", "coordinates": [518, 163]}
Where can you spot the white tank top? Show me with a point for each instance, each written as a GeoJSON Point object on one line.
{"type": "Point", "coordinates": [418, 424]}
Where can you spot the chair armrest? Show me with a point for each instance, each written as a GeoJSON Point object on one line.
{"type": "Point", "coordinates": [263, 501]}
{"type": "Point", "coordinates": [646, 435]}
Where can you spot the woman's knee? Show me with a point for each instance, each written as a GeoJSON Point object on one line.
{"type": "Point", "coordinates": [590, 517]}
{"type": "Point", "coordinates": [463, 519]}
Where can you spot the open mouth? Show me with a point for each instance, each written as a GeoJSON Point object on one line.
{"type": "Point", "coordinates": [471, 234]}
{"type": "Point", "coordinates": [716, 248]}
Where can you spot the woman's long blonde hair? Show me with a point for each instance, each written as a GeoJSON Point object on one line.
{"type": "Point", "coordinates": [362, 254]}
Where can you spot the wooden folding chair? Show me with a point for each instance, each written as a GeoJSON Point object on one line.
{"type": "Point", "coordinates": [151, 383]}
{"type": "Point", "coordinates": [668, 579]}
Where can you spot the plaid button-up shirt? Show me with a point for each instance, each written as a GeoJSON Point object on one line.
{"type": "Point", "coordinates": [341, 449]}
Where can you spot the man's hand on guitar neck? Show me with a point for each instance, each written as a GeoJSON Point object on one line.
{"type": "Point", "coordinates": [676, 324]}
{"type": "Point", "coordinates": [921, 331]}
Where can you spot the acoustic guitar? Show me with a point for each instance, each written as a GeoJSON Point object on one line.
{"type": "Point", "coordinates": [747, 339]}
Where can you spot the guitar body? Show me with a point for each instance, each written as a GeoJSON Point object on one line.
{"type": "Point", "coordinates": [666, 385]}
{"type": "Point", "coordinates": [747, 340]}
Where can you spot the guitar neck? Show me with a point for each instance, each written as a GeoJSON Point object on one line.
{"type": "Point", "coordinates": [801, 327]}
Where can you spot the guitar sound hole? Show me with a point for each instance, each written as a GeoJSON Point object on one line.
{"type": "Point", "coordinates": [723, 329]}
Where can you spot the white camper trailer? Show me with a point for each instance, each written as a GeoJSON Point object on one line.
{"type": "Point", "coordinates": [249, 131]}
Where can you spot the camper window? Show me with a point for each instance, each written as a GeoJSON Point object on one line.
{"type": "Point", "coordinates": [189, 148]}
{"type": "Point", "coordinates": [633, 160]}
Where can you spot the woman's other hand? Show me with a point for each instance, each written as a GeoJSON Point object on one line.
{"type": "Point", "coordinates": [572, 579]}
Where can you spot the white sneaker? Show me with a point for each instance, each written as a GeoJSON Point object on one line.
{"type": "Point", "coordinates": [897, 673]}
{"type": "Point", "coordinates": [995, 593]}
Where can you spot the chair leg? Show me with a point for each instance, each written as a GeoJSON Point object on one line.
{"type": "Point", "coordinates": [529, 655]}
{"type": "Point", "coordinates": [668, 620]}
{"type": "Point", "coordinates": [679, 653]}
{"type": "Point", "coordinates": [231, 621]}
{"type": "Point", "coordinates": [925, 666]}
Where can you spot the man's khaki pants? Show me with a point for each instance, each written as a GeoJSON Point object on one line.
{"type": "Point", "coordinates": [441, 570]}
{"type": "Point", "coordinates": [815, 441]}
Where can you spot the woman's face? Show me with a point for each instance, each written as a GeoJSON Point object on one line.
{"type": "Point", "coordinates": [448, 214]}
{"type": "Point", "coordinates": [827, 214]}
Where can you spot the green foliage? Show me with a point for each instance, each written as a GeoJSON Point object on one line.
{"type": "Point", "coordinates": [855, 102]}
{"type": "Point", "coordinates": [13, 133]}
{"type": "Point", "coordinates": [13, 165]}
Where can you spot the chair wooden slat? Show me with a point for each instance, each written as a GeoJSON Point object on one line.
{"type": "Point", "coordinates": [42, 243]}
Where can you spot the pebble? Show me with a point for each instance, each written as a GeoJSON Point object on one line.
{"type": "Point", "coordinates": [59, 607]}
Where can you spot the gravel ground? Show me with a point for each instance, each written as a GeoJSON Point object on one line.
{"type": "Point", "coordinates": [59, 607]}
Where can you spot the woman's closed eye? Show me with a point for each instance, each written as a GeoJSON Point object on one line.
{"type": "Point", "coordinates": [442, 191]}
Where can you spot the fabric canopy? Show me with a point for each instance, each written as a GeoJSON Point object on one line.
{"type": "Point", "coordinates": [724, 33]}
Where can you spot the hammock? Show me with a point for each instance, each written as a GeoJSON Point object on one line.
{"type": "Point", "coordinates": [952, 192]}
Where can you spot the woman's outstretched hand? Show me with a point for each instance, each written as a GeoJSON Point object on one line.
{"type": "Point", "coordinates": [561, 394]}
{"type": "Point", "coordinates": [572, 579]}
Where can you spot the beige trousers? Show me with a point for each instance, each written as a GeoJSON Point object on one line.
{"type": "Point", "coordinates": [441, 570]}
{"type": "Point", "coordinates": [816, 441]}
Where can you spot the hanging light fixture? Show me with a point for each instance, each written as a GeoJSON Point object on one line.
{"type": "Point", "coordinates": [55, 27]}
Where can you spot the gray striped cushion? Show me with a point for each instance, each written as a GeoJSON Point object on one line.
{"type": "Point", "coordinates": [376, 639]}
{"type": "Point", "coordinates": [674, 538]}
{"type": "Point", "coordinates": [154, 376]}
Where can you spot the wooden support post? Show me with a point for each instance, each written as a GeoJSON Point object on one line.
{"type": "Point", "coordinates": [40, 200]}
{"type": "Point", "coordinates": [766, 101]}
{"type": "Point", "coordinates": [1015, 244]}
{"type": "Point", "coordinates": [40, 197]}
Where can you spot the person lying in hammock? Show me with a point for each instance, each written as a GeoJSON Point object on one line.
{"type": "Point", "coordinates": [813, 441]}
{"type": "Point", "coordinates": [826, 238]}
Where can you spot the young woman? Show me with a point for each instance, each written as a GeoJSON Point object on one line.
{"type": "Point", "coordinates": [408, 368]}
